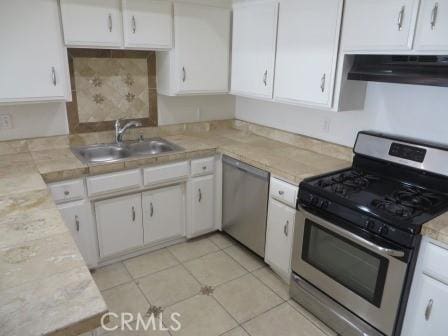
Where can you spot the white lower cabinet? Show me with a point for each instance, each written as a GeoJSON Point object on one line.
{"type": "Point", "coordinates": [202, 203]}
{"type": "Point", "coordinates": [78, 217]}
{"type": "Point", "coordinates": [426, 309]}
{"type": "Point", "coordinates": [119, 223]}
{"type": "Point", "coordinates": [279, 237]}
{"type": "Point", "coordinates": [163, 214]}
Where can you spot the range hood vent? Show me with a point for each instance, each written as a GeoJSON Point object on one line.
{"type": "Point", "coordinates": [406, 69]}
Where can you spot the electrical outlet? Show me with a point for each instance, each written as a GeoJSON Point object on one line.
{"type": "Point", "coordinates": [326, 125]}
{"type": "Point", "coordinates": [5, 121]}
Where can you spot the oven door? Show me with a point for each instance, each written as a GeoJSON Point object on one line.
{"type": "Point", "coordinates": [362, 276]}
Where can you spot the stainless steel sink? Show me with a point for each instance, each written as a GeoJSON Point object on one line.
{"type": "Point", "coordinates": [116, 152]}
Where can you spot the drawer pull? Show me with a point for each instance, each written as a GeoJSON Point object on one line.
{"type": "Point", "coordinates": [281, 192]}
{"type": "Point", "coordinates": [134, 25]}
{"type": "Point", "coordinates": [204, 167]}
{"type": "Point", "coordinates": [428, 309]}
{"type": "Point", "coordinates": [285, 228]}
{"type": "Point", "coordinates": [151, 210]}
{"type": "Point", "coordinates": [133, 214]}
{"type": "Point", "coordinates": [110, 23]}
{"type": "Point", "coordinates": [66, 192]}
{"type": "Point", "coordinates": [77, 223]}
{"type": "Point", "coordinates": [200, 195]}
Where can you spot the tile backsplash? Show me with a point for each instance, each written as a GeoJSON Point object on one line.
{"type": "Point", "coordinates": [111, 88]}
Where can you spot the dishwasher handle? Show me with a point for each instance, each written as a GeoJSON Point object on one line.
{"type": "Point", "coordinates": [245, 167]}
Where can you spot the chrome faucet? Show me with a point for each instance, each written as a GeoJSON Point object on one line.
{"type": "Point", "coordinates": [119, 131]}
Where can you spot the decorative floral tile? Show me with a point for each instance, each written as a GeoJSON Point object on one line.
{"type": "Point", "coordinates": [111, 88]}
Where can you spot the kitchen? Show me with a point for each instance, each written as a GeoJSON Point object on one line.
{"type": "Point", "coordinates": [220, 167]}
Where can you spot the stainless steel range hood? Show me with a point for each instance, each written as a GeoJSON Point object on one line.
{"type": "Point", "coordinates": [405, 69]}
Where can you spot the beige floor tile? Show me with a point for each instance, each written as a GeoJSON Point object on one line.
{"type": "Point", "coordinates": [169, 286]}
{"type": "Point", "coordinates": [322, 326]}
{"type": "Point", "coordinates": [150, 263]}
{"type": "Point", "coordinates": [246, 258]}
{"type": "Point", "coordinates": [282, 321]}
{"type": "Point", "coordinates": [221, 240]}
{"type": "Point", "coordinates": [273, 281]}
{"type": "Point", "coordinates": [193, 249]}
{"type": "Point", "coordinates": [111, 276]}
{"type": "Point", "coordinates": [154, 330]}
{"type": "Point", "coordinates": [214, 269]}
{"type": "Point", "coordinates": [125, 298]}
{"type": "Point", "coordinates": [246, 297]}
{"type": "Point", "coordinates": [238, 331]}
{"type": "Point", "coordinates": [200, 316]}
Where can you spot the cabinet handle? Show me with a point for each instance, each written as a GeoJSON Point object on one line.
{"type": "Point", "coordinates": [53, 76]}
{"type": "Point", "coordinates": [265, 78]}
{"type": "Point", "coordinates": [400, 18]}
{"type": "Point", "coordinates": [322, 82]}
{"type": "Point", "coordinates": [285, 228]}
{"type": "Point", "coordinates": [434, 13]}
{"type": "Point", "coordinates": [151, 210]}
{"type": "Point", "coordinates": [200, 195]}
{"type": "Point", "coordinates": [281, 192]}
{"type": "Point", "coordinates": [133, 214]}
{"type": "Point", "coordinates": [184, 74]}
{"type": "Point", "coordinates": [66, 192]}
{"type": "Point", "coordinates": [204, 167]}
{"type": "Point", "coordinates": [134, 25]}
{"type": "Point", "coordinates": [77, 223]}
{"type": "Point", "coordinates": [428, 309]}
{"type": "Point", "coordinates": [110, 22]}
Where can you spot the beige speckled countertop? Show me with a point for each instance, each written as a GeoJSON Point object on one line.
{"type": "Point", "coordinates": [45, 287]}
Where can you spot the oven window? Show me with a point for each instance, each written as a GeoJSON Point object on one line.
{"type": "Point", "coordinates": [355, 267]}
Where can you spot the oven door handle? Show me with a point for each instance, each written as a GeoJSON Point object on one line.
{"type": "Point", "coordinates": [353, 237]}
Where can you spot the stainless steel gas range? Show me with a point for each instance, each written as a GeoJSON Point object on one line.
{"type": "Point", "coordinates": [357, 233]}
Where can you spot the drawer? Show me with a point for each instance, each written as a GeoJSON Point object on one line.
{"type": "Point", "coordinates": [67, 190]}
{"type": "Point", "coordinates": [434, 261]}
{"type": "Point", "coordinates": [203, 166]}
{"type": "Point", "coordinates": [165, 173]}
{"type": "Point", "coordinates": [283, 192]}
{"type": "Point", "coordinates": [109, 183]}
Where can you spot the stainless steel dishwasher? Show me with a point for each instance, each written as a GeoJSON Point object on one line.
{"type": "Point", "coordinates": [245, 203]}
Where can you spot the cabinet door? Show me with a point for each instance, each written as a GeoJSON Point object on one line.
{"type": "Point", "coordinates": [119, 222]}
{"type": "Point", "coordinates": [147, 24]}
{"type": "Point", "coordinates": [202, 35]}
{"type": "Point", "coordinates": [379, 25]}
{"type": "Point", "coordinates": [432, 27]}
{"type": "Point", "coordinates": [92, 23]}
{"type": "Point", "coordinates": [33, 62]}
{"type": "Point", "coordinates": [253, 49]}
{"type": "Point", "coordinates": [78, 217]}
{"type": "Point", "coordinates": [430, 309]}
{"type": "Point", "coordinates": [202, 201]}
{"type": "Point", "coordinates": [307, 47]}
{"type": "Point", "coordinates": [163, 214]}
{"type": "Point", "coordinates": [279, 237]}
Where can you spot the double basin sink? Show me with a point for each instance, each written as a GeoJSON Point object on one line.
{"type": "Point", "coordinates": [120, 151]}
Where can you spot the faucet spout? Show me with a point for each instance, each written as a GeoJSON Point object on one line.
{"type": "Point", "coordinates": [119, 131]}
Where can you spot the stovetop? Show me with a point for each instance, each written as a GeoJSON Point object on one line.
{"type": "Point", "coordinates": [384, 205]}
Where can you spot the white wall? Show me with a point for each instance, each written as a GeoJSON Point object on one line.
{"type": "Point", "coordinates": [46, 119]}
{"type": "Point", "coordinates": [416, 111]}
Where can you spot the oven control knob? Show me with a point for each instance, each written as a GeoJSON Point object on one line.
{"type": "Point", "coordinates": [371, 225]}
{"type": "Point", "coordinates": [384, 230]}
{"type": "Point", "coordinates": [325, 204]}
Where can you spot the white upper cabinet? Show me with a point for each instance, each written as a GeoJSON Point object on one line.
{"type": "Point", "coordinates": [147, 24]}
{"type": "Point", "coordinates": [253, 48]}
{"type": "Point", "coordinates": [379, 25]}
{"type": "Point", "coordinates": [307, 50]}
{"type": "Point", "coordinates": [92, 23]}
{"type": "Point", "coordinates": [199, 62]}
{"type": "Point", "coordinates": [33, 61]}
{"type": "Point", "coordinates": [432, 26]}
